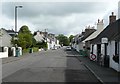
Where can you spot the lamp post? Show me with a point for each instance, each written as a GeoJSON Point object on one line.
{"type": "Point", "coordinates": [16, 18]}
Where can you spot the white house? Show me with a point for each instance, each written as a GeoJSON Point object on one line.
{"type": "Point", "coordinates": [5, 38]}
{"type": "Point", "coordinates": [5, 42]}
{"type": "Point", "coordinates": [109, 42]}
{"type": "Point", "coordinates": [77, 42]}
{"type": "Point", "coordinates": [94, 47]}
{"type": "Point", "coordinates": [39, 36]}
{"type": "Point", "coordinates": [52, 42]}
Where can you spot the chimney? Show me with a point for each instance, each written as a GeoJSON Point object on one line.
{"type": "Point", "coordinates": [100, 25]}
{"type": "Point", "coordinates": [112, 18]}
{"type": "Point", "coordinates": [38, 32]}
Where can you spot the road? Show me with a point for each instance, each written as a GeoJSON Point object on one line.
{"type": "Point", "coordinates": [47, 66]}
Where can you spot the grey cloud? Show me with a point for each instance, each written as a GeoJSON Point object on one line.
{"type": "Point", "coordinates": [57, 16]}
{"type": "Point", "coordinates": [34, 9]}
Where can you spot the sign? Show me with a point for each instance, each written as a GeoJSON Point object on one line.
{"type": "Point", "coordinates": [104, 40]}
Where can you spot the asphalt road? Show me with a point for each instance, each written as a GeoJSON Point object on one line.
{"type": "Point", "coordinates": [47, 66]}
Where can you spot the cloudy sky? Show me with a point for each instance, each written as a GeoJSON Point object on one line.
{"type": "Point", "coordinates": [58, 17]}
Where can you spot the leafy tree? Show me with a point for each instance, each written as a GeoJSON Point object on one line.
{"type": "Point", "coordinates": [42, 44]}
{"type": "Point", "coordinates": [63, 39]}
{"type": "Point", "coordinates": [71, 37]}
{"type": "Point", "coordinates": [24, 38]}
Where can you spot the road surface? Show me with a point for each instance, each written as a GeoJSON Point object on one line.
{"type": "Point", "coordinates": [47, 66]}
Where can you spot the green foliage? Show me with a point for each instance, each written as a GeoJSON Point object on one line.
{"type": "Point", "coordinates": [14, 41]}
{"type": "Point", "coordinates": [63, 39]}
{"type": "Point", "coordinates": [24, 38]}
{"type": "Point", "coordinates": [42, 44]}
{"type": "Point", "coordinates": [71, 37]}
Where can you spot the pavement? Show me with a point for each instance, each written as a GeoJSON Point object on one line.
{"type": "Point", "coordinates": [104, 74]}
{"type": "Point", "coordinates": [12, 59]}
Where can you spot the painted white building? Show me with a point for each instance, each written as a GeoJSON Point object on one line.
{"type": "Point", "coordinates": [109, 48]}
{"type": "Point", "coordinates": [5, 42]}
{"type": "Point", "coordinates": [39, 37]}
{"type": "Point", "coordinates": [5, 38]}
{"type": "Point", "coordinates": [4, 54]}
{"type": "Point", "coordinates": [52, 42]}
{"type": "Point", "coordinates": [93, 47]}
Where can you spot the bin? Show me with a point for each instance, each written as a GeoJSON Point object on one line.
{"type": "Point", "coordinates": [30, 50]}
{"type": "Point", "coordinates": [81, 52]}
{"type": "Point", "coordinates": [85, 53]}
{"type": "Point", "coordinates": [17, 52]}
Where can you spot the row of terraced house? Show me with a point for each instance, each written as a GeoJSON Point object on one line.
{"type": "Point", "coordinates": [101, 45]}
{"type": "Point", "coordinates": [8, 50]}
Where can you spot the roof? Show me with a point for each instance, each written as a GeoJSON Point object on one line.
{"type": "Point", "coordinates": [112, 32]}
{"type": "Point", "coordinates": [94, 35]}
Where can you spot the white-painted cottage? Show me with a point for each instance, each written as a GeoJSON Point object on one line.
{"type": "Point", "coordinates": [52, 42]}
{"type": "Point", "coordinates": [5, 42]}
{"type": "Point", "coordinates": [109, 44]}
{"type": "Point", "coordinates": [93, 47]}
{"type": "Point", "coordinates": [5, 38]}
{"type": "Point", "coordinates": [77, 42]}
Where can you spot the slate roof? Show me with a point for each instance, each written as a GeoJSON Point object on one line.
{"type": "Point", "coordinates": [94, 35]}
{"type": "Point", "coordinates": [112, 32]}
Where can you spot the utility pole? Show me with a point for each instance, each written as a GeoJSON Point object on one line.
{"type": "Point", "coordinates": [16, 7]}
{"type": "Point", "coordinates": [45, 35]}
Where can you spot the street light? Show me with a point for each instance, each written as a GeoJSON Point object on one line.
{"type": "Point", "coordinates": [16, 18]}
{"type": "Point", "coordinates": [1, 34]}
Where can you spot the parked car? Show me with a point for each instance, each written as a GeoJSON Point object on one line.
{"type": "Point", "coordinates": [68, 48]}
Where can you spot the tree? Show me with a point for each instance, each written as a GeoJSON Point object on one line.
{"type": "Point", "coordinates": [42, 44]}
{"type": "Point", "coordinates": [63, 39]}
{"type": "Point", "coordinates": [24, 38]}
{"type": "Point", "coordinates": [71, 37]}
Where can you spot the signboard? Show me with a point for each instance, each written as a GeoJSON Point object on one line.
{"type": "Point", "coordinates": [104, 40]}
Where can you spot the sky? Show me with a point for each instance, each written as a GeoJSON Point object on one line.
{"type": "Point", "coordinates": [57, 16]}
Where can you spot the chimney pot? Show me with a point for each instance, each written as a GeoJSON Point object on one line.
{"type": "Point", "coordinates": [112, 18]}
{"type": "Point", "coordinates": [112, 13]}
{"type": "Point", "coordinates": [98, 20]}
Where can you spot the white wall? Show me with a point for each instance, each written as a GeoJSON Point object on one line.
{"type": "Point", "coordinates": [38, 37]}
{"type": "Point", "coordinates": [77, 48]}
{"type": "Point", "coordinates": [20, 48]}
{"type": "Point", "coordinates": [13, 49]}
{"type": "Point", "coordinates": [94, 51]}
{"type": "Point", "coordinates": [103, 49]}
{"type": "Point", "coordinates": [113, 64]}
{"type": "Point", "coordinates": [5, 53]}
{"type": "Point", "coordinates": [5, 40]}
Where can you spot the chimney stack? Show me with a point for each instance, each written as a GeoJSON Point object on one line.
{"type": "Point", "coordinates": [100, 25]}
{"type": "Point", "coordinates": [112, 18]}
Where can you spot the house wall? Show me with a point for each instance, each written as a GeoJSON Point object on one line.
{"type": "Point", "coordinates": [38, 37]}
{"type": "Point", "coordinates": [103, 49]}
{"type": "Point", "coordinates": [77, 47]}
{"type": "Point", "coordinates": [5, 39]}
{"type": "Point", "coordinates": [5, 53]}
{"type": "Point", "coordinates": [13, 49]}
{"type": "Point", "coordinates": [80, 46]}
{"type": "Point", "coordinates": [113, 64]}
{"type": "Point", "coordinates": [49, 46]}
{"type": "Point", "coordinates": [94, 50]}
